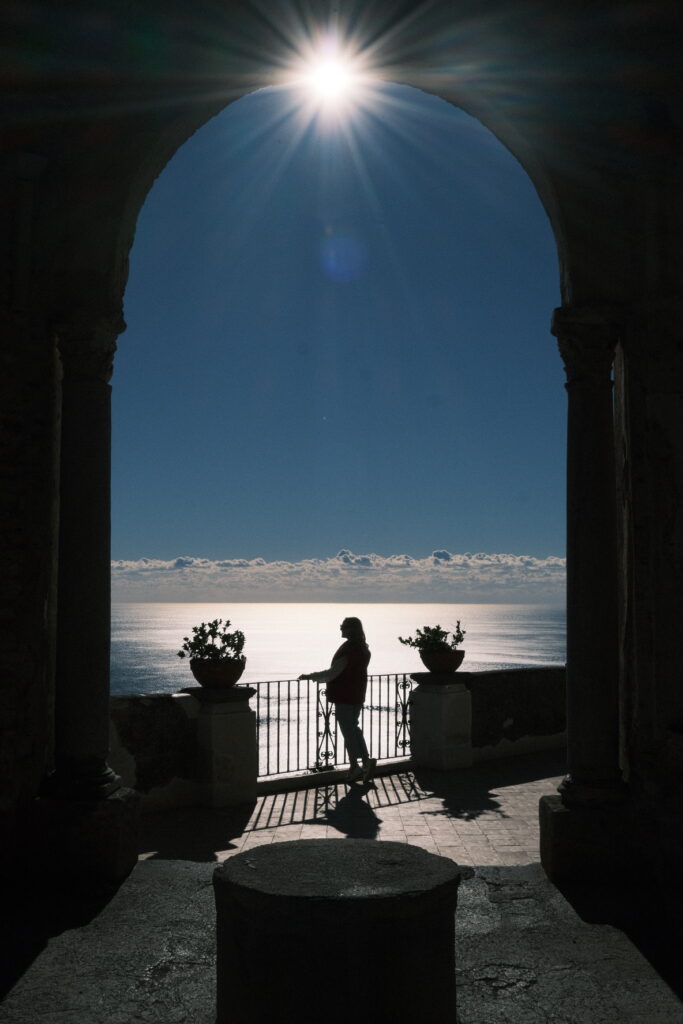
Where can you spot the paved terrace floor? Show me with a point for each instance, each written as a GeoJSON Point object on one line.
{"type": "Point", "coordinates": [526, 953]}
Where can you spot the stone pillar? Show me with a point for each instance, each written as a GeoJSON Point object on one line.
{"type": "Point", "coordinates": [440, 722]}
{"type": "Point", "coordinates": [586, 831]}
{"type": "Point", "coordinates": [587, 342]}
{"type": "Point", "coordinates": [86, 818]}
{"type": "Point", "coordinates": [83, 605]}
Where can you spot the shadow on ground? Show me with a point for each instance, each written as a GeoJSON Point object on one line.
{"type": "Point", "coordinates": [649, 914]}
{"type": "Point", "coordinates": [193, 833]}
{"type": "Point", "coordinates": [470, 792]}
{"type": "Point", "coordinates": [35, 910]}
{"type": "Point", "coordinates": [196, 833]}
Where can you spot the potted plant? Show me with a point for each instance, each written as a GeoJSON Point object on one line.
{"type": "Point", "coordinates": [216, 658]}
{"type": "Point", "coordinates": [437, 651]}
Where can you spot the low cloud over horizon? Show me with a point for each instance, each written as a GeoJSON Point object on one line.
{"type": "Point", "coordinates": [440, 577]}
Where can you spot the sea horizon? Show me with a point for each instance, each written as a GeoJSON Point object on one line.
{"type": "Point", "coordinates": [287, 638]}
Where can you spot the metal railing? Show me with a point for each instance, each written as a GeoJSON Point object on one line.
{"type": "Point", "coordinates": [297, 728]}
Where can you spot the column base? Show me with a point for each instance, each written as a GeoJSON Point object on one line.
{"type": "Point", "coordinates": [88, 778]}
{"type": "Point", "coordinates": [576, 793]}
{"type": "Point", "coordinates": [90, 842]}
{"type": "Point", "coordinates": [585, 843]}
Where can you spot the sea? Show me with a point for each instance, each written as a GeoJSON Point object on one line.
{"type": "Point", "coordinates": [284, 640]}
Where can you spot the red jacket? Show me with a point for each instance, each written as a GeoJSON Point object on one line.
{"type": "Point", "coordinates": [350, 685]}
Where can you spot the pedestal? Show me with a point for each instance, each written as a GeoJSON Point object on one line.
{"type": "Point", "coordinates": [336, 930]}
{"type": "Point", "coordinates": [90, 843]}
{"type": "Point", "coordinates": [228, 745]}
{"type": "Point", "coordinates": [440, 722]}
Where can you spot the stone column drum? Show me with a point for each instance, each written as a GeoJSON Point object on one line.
{"type": "Point", "coordinates": [336, 930]}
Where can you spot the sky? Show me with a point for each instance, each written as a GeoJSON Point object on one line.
{"type": "Point", "coordinates": [338, 375]}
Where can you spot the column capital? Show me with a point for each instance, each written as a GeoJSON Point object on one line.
{"type": "Point", "coordinates": [587, 338]}
{"type": "Point", "coordinates": [87, 345]}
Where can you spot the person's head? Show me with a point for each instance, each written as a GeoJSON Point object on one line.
{"type": "Point", "coordinates": [352, 629]}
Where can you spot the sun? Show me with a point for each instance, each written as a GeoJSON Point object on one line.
{"type": "Point", "coordinates": [331, 79]}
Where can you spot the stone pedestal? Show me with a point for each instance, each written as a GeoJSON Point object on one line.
{"type": "Point", "coordinates": [336, 930]}
{"type": "Point", "coordinates": [90, 843]}
{"type": "Point", "coordinates": [440, 722]}
{"type": "Point", "coordinates": [228, 745]}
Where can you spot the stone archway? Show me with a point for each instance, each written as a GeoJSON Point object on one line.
{"type": "Point", "coordinates": [602, 149]}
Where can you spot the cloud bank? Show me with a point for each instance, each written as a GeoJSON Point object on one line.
{"type": "Point", "coordinates": [440, 577]}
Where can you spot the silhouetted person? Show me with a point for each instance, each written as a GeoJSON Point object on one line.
{"type": "Point", "coordinates": [346, 682]}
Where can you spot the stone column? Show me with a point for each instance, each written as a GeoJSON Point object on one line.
{"type": "Point", "coordinates": [587, 342]}
{"type": "Point", "coordinates": [86, 818]}
{"type": "Point", "coordinates": [83, 606]}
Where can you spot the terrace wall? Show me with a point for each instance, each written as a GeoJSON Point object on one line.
{"type": "Point", "coordinates": [155, 739]}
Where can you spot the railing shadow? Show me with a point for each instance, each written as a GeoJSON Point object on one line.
{"type": "Point", "coordinates": [200, 833]}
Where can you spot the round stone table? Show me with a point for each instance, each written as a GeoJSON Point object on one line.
{"type": "Point", "coordinates": [336, 930]}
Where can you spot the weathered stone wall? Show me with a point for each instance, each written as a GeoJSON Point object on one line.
{"type": "Point", "coordinates": [650, 451]}
{"type": "Point", "coordinates": [153, 747]}
{"type": "Point", "coordinates": [183, 749]}
{"type": "Point", "coordinates": [516, 710]}
{"type": "Point", "coordinates": [155, 742]}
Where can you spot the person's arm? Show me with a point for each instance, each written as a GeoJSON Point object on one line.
{"type": "Point", "coordinates": [327, 674]}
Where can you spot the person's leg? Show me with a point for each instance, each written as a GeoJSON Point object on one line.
{"type": "Point", "coordinates": [347, 717]}
{"type": "Point", "coordinates": [369, 763]}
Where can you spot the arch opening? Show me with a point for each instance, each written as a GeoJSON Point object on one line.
{"type": "Point", "coordinates": [346, 298]}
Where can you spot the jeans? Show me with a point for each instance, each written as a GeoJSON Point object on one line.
{"type": "Point", "coordinates": [347, 717]}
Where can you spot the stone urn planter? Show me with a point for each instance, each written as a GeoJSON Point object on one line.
{"type": "Point", "coordinates": [441, 659]}
{"type": "Point", "coordinates": [437, 648]}
{"type": "Point", "coordinates": [217, 674]}
{"type": "Point", "coordinates": [216, 659]}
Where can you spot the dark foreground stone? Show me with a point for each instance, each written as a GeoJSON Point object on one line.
{"type": "Point", "coordinates": [336, 930]}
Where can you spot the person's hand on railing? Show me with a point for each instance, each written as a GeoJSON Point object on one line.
{"type": "Point", "coordinates": [327, 674]}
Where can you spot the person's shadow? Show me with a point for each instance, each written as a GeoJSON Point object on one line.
{"type": "Point", "coordinates": [352, 815]}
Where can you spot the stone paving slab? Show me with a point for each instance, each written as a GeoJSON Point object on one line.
{"type": "Point", "coordinates": [524, 956]}
{"type": "Point", "coordinates": [482, 815]}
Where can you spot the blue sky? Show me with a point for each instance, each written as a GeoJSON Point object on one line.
{"type": "Point", "coordinates": [338, 339]}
